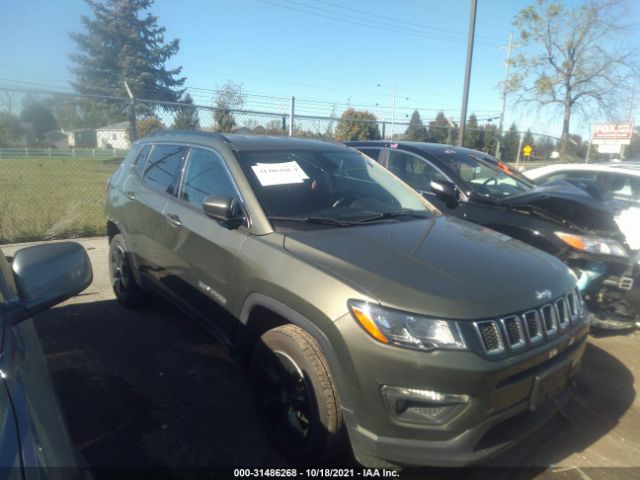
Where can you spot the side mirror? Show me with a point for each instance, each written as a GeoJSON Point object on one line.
{"type": "Point", "coordinates": [46, 275]}
{"type": "Point", "coordinates": [446, 191]}
{"type": "Point", "coordinates": [223, 209]}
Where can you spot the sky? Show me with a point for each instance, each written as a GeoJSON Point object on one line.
{"type": "Point", "coordinates": [326, 53]}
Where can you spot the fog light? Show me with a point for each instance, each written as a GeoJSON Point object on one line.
{"type": "Point", "coordinates": [423, 406]}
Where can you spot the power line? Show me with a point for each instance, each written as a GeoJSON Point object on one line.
{"type": "Point", "coordinates": [402, 22]}
{"type": "Point", "coordinates": [369, 24]}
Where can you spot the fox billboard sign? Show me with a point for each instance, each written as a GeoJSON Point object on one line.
{"type": "Point", "coordinates": [612, 133]}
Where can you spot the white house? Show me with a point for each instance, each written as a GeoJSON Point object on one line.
{"type": "Point", "coordinates": [114, 136]}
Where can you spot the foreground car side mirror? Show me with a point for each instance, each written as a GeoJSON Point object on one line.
{"type": "Point", "coordinates": [223, 209]}
{"type": "Point", "coordinates": [446, 191]}
{"type": "Point", "coordinates": [46, 275]}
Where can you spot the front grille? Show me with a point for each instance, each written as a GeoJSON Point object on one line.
{"type": "Point", "coordinates": [531, 327]}
{"type": "Point", "coordinates": [514, 330]}
{"type": "Point", "coordinates": [549, 320]}
{"type": "Point", "coordinates": [563, 313]}
{"type": "Point", "coordinates": [534, 328]}
{"type": "Point", "coordinates": [572, 303]}
{"type": "Point", "coordinates": [490, 335]}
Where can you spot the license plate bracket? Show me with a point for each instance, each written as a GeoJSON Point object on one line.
{"type": "Point", "coordinates": [549, 383]}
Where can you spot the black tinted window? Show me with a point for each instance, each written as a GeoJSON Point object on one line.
{"type": "Point", "coordinates": [163, 167]}
{"type": "Point", "coordinates": [416, 171]}
{"type": "Point", "coordinates": [371, 152]}
{"type": "Point", "coordinates": [205, 175]}
{"type": "Point", "coordinates": [141, 159]}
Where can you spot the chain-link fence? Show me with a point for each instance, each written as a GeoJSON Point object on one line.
{"type": "Point", "coordinates": [58, 151]}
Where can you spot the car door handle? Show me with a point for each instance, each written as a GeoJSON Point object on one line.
{"type": "Point", "coordinates": [131, 195]}
{"type": "Point", "coordinates": [173, 219]}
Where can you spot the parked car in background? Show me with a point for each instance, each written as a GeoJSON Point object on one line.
{"type": "Point", "coordinates": [562, 220]}
{"type": "Point", "coordinates": [619, 183]}
{"type": "Point", "coordinates": [361, 311]}
{"type": "Point", "coordinates": [34, 441]}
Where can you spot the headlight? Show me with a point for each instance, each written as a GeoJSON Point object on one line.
{"type": "Point", "coordinates": [405, 329]}
{"type": "Point", "coordinates": [596, 245]}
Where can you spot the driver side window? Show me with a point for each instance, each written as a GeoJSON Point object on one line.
{"type": "Point", "coordinates": [205, 175]}
{"type": "Point", "coordinates": [413, 170]}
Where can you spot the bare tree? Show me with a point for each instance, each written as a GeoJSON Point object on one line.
{"type": "Point", "coordinates": [575, 58]}
{"type": "Point", "coordinates": [229, 96]}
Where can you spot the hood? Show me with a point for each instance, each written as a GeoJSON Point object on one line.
{"type": "Point", "coordinates": [440, 266]}
{"type": "Point", "coordinates": [566, 202]}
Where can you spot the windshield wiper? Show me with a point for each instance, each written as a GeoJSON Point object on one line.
{"type": "Point", "coordinates": [387, 215]}
{"type": "Point", "coordinates": [318, 220]}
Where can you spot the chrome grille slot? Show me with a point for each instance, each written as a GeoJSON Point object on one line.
{"type": "Point", "coordinates": [549, 319]}
{"type": "Point", "coordinates": [490, 336]}
{"type": "Point", "coordinates": [534, 328]}
{"type": "Point", "coordinates": [563, 313]}
{"type": "Point", "coordinates": [515, 332]}
{"type": "Point", "coordinates": [572, 304]}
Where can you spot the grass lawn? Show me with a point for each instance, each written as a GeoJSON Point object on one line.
{"type": "Point", "coordinates": [43, 197]}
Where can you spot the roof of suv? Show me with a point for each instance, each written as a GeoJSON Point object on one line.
{"type": "Point", "coordinates": [244, 142]}
{"type": "Point", "coordinates": [432, 148]}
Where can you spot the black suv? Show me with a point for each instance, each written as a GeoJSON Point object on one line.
{"type": "Point", "coordinates": [557, 217]}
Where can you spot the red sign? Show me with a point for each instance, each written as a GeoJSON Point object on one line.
{"type": "Point", "coordinates": [620, 130]}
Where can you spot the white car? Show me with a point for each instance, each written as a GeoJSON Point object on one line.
{"type": "Point", "coordinates": [619, 183]}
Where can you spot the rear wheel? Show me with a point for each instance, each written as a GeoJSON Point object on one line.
{"type": "Point", "coordinates": [127, 291]}
{"type": "Point", "coordinates": [296, 396]}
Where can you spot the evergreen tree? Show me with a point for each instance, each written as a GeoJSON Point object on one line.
{"type": "Point", "coordinates": [439, 130]}
{"type": "Point", "coordinates": [38, 119]}
{"type": "Point", "coordinates": [416, 131]}
{"type": "Point", "coordinates": [528, 138]}
{"type": "Point", "coordinates": [187, 116]}
{"type": "Point", "coordinates": [122, 43]}
{"type": "Point", "coordinates": [473, 135]}
{"type": "Point", "coordinates": [510, 142]}
{"type": "Point", "coordinates": [490, 139]}
{"type": "Point", "coordinates": [357, 125]}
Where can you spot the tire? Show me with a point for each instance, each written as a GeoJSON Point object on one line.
{"type": "Point", "coordinates": [296, 397]}
{"type": "Point", "coordinates": [124, 285]}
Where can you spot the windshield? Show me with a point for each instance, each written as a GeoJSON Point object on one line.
{"type": "Point", "coordinates": [327, 184]}
{"type": "Point", "coordinates": [488, 178]}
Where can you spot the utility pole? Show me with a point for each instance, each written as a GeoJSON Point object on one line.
{"type": "Point", "coordinates": [393, 112]}
{"type": "Point", "coordinates": [291, 113]}
{"type": "Point", "coordinates": [505, 92]}
{"type": "Point", "coordinates": [467, 71]}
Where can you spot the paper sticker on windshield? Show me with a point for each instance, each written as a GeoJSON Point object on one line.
{"type": "Point", "coordinates": [279, 173]}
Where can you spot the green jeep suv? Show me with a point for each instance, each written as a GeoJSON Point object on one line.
{"type": "Point", "coordinates": [361, 311]}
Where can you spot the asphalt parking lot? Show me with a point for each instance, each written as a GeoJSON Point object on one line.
{"type": "Point", "coordinates": [150, 388]}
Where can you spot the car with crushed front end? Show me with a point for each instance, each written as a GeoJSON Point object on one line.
{"type": "Point", "coordinates": [34, 440]}
{"type": "Point", "coordinates": [362, 313]}
{"type": "Point", "coordinates": [560, 218]}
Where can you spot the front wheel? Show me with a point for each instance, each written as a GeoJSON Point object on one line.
{"type": "Point", "coordinates": [296, 396]}
{"type": "Point", "coordinates": [127, 291]}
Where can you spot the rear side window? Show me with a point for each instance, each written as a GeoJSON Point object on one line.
{"type": "Point", "coordinates": [162, 171]}
{"type": "Point", "coordinates": [141, 159]}
{"type": "Point", "coordinates": [205, 175]}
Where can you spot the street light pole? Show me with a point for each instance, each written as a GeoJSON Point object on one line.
{"type": "Point", "coordinates": [505, 92]}
{"type": "Point", "coordinates": [467, 72]}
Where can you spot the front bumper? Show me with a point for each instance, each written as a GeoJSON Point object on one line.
{"type": "Point", "coordinates": [499, 413]}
